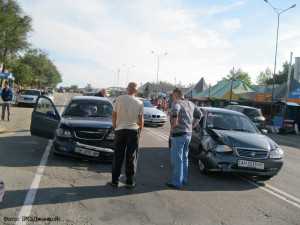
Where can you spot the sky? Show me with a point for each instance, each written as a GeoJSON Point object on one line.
{"type": "Point", "coordinates": [111, 42]}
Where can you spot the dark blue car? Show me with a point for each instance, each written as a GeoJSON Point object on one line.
{"type": "Point", "coordinates": [84, 129]}
{"type": "Point", "coordinates": [228, 141]}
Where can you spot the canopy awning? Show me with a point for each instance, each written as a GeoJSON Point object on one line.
{"type": "Point", "coordinates": [8, 76]}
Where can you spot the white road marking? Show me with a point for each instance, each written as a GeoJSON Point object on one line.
{"type": "Point", "coordinates": [30, 196]}
{"type": "Point", "coordinates": [277, 193]}
{"type": "Point", "coordinates": [268, 188]}
{"type": "Point", "coordinates": [27, 206]}
{"type": "Point", "coordinates": [295, 199]}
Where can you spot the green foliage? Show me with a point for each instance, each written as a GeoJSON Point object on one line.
{"type": "Point", "coordinates": [35, 68]}
{"type": "Point", "coordinates": [239, 75]}
{"type": "Point", "coordinates": [263, 77]}
{"type": "Point", "coordinates": [266, 78]}
{"type": "Point", "coordinates": [14, 26]}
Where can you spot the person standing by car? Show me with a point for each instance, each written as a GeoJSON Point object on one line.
{"type": "Point", "coordinates": [7, 96]}
{"type": "Point", "coordinates": [184, 114]}
{"type": "Point", "coordinates": [128, 121]}
{"type": "Point", "coordinates": [101, 93]}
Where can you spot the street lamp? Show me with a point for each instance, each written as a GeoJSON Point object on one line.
{"type": "Point", "coordinates": [278, 12]}
{"type": "Point", "coordinates": [128, 70]}
{"type": "Point", "coordinates": [158, 55]}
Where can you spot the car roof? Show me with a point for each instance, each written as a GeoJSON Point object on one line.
{"type": "Point", "coordinates": [30, 90]}
{"type": "Point", "coordinates": [221, 110]}
{"type": "Point", "coordinates": [91, 98]}
{"type": "Point", "coordinates": [243, 106]}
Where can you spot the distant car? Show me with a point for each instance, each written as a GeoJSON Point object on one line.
{"type": "Point", "coordinates": [84, 130]}
{"type": "Point", "coordinates": [152, 115]}
{"type": "Point", "coordinates": [91, 93]}
{"type": "Point", "coordinates": [227, 141]}
{"type": "Point", "coordinates": [28, 97]}
{"type": "Point", "coordinates": [254, 114]}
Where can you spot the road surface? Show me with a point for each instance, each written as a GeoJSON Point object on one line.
{"type": "Point", "coordinates": [73, 192]}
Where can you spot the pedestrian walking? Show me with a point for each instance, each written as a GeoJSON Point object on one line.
{"type": "Point", "coordinates": [128, 121]}
{"type": "Point", "coordinates": [7, 96]}
{"type": "Point", "coordinates": [101, 93]}
{"type": "Point", "coordinates": [184, 115]}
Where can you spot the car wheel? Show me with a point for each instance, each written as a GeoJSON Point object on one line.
{"type": "Point", "coordinates": [202, 167]}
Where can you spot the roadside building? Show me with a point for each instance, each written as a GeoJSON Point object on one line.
{"type": "Point", "coordinates": [227, 90]}
{"type": "Point", "coordinates": [196, 89]}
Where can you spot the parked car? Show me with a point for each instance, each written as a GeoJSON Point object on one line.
{"type": "Point", "coordinates": [254, 114]}
{"type": "Point", "coordinates": [28, 97]}
{"type": "Point", "coordinates": [84, 129]}
{"type": "Point", "coordinates": [227, 141]}
{"type": "Point", "coordinates": [91, 93]}
{"type": "Point", "coordinates": [152, 115]}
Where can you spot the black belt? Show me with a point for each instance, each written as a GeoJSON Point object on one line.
{"type": "Point", "coordinates": [179, 134]}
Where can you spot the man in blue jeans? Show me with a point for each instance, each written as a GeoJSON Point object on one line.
{"type": "Point", "coordinates": [7, 96]}
{"type": "Point", "coordinates": [184, 114]}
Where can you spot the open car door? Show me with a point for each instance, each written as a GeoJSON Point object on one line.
{"type": "Point", "coordinates": [44, 119]}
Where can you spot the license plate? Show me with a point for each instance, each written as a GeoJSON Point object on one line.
{"type": "Point", "coordinates": [251, 164]}
{"type": "Point", "coordinates": [87, 152]}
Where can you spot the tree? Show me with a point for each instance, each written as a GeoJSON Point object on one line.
{"type": "Point", "coordinates": [14, 26]}
{"type": "Point", "coordinates": [23, 73]}
{"type": "Point", "coordinates": [263, 77]}
{"type": "Point", "coordinates": [282, 75]}
{"type": "Point", "coordinates": [35, 68]}
{"type": "Point", "coordinates": [239, 75]}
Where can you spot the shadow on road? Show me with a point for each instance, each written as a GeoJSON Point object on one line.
{"type": "Point", "coordinates": [153, 172]}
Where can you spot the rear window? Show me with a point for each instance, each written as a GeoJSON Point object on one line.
{"type": "Point", "coordinates": [147, 104]}
{"type": "Point", "coordinates": [252, 113]}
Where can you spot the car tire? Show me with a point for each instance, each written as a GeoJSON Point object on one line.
{"type": "Point", "coordinates": [202, 167]}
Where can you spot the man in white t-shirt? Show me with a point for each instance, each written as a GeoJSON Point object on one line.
{"type": "Point", "coordinates": [128, 121]}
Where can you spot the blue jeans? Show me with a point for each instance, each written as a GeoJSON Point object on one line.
{"type": "Point", "coordinates": [179, 159]}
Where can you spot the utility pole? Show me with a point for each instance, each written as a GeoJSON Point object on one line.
{"type": "Point", "coordinates": [231, 85]}
{"type": "Point", "coordinates": [278, 12]}
{"type": "Point", "coordinates": [158, 55]}
{"type": "Point", "coordinates": [289, 78]}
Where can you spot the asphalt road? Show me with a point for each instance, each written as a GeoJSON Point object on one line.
{"type": "Point", "coordinates": [75, 191]}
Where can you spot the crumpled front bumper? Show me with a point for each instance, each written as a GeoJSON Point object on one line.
{"type": "Point", "coordinates": [218, 162]}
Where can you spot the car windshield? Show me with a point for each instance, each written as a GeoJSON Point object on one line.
{"type": "Point", "coordinates": [30, 92]}
{"type": "Point", "coordinates": [88, 109]}
{"type": "Point", "coordinates": [148, 104]}
{"type": "Point", "coordinates": [252, 113]}
{"type": "Point", "coordinates": [225, 121]}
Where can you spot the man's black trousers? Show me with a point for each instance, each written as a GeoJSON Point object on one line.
{"type": "Point", "coordinates": [127, 143]}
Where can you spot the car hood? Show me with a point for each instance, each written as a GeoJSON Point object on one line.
{"type": "Point", "coordinates": [78, 122]}
{"type": "Point", "coordinates": [245, 140]}
{"type": "Point", "coordinates": [153, 111]}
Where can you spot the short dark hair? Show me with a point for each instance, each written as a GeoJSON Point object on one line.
{"type": "Point", "coordinates": [178, 92]}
